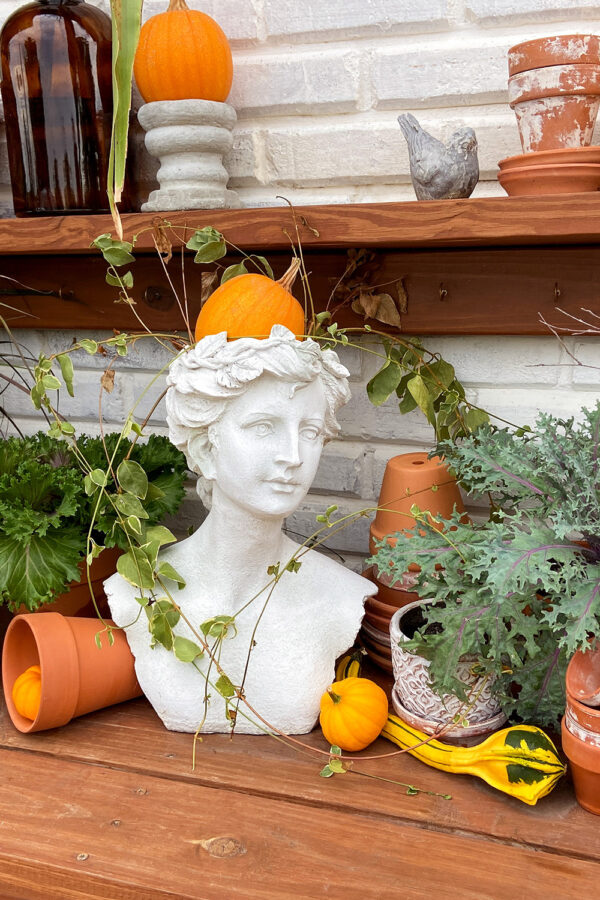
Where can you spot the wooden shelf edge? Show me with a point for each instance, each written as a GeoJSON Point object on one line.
{"type": "Point", "coordinates": [484, 222]}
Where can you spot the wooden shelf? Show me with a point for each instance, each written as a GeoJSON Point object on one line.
{"type": "Point", "coordinates": [109, 807]}
{"type": "Point", "coordinates": [487, 222]}
{"type": "Point", "coordinates": [487, 266]}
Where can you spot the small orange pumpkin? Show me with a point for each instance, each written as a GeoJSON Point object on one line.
{"type": "Point", "coordinates": [27, 692]}
{"type": "Point", "coordinates": [353, 712]}
{"type": "Point", "coordinates": [182, 54]}
{"type": "Point", "coordinates": [249, 305]}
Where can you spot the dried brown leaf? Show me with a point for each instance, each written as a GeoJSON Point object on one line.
{"type": "Point", "coordinates": [208, 283]}
{"type": "Point", "coordinates": [402, 303]}
{"type": "Point", "coordinates": [108, 380]}
{"type": "Point", "coordinates": [370, 303]}
{"type": "Point", "coordinates": [377, 306]}
{"type": "Point", "coordinates": [161, 240]}
{"type": "Point", "coordinates": [386, 310]}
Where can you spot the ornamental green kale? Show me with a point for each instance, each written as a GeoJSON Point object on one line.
{"type": "Point", "coordinates": [521, 591]}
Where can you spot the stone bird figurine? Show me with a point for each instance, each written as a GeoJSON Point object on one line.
{"type": "Point", "coordinates": [440, 171]}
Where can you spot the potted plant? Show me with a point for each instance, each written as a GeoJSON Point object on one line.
{"type": "Point", "coordinates": [521, 591]}
{"type": "Point", "coordinates": [48, 511]}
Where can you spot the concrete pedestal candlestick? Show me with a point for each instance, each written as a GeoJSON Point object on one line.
{"type": "Point", "coordinates": [189, 137]}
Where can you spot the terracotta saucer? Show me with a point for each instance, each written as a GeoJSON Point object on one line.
{"type": "Point", "coordinates": [563, 156]}
{"type": "Point", "coordinates": [573, 178]}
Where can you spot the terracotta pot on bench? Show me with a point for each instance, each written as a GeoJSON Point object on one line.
{"type": "Point", "coordinates": [77, 676]}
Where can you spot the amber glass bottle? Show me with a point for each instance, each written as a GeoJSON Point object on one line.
{"type": "Point", "coordinates": [57, 96]}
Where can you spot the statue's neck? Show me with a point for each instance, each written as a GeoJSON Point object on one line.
{"type": "Point", "coordinates": [237, 539]}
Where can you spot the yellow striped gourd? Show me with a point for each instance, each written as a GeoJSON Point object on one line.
{"type": "Point", "coordinates": [521, 760]}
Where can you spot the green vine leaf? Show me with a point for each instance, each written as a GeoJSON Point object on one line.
{"type": "Point", "coordinates": [225, 687]}
{"type": "Point", "coordinates": [132, 478]}
{"type": "Point", "coordinates": [384, 383]}
{"type": "Point", "coordinates": [166, 570]}
{"type": "Point", "coordinates": [66, 367]}
{"type": "Point", "coordinates": [209, 245]}
{"type": "Point", "coordinates": [423, 398]}
{"type": "Point", "coordinates": [218, 627]}
{"type": "Point", "coordinates": [135, 568]}
{"type": "Point", "coordinates": [186, 650]}
{"type": "Point", "coordinates": [89, 346]}
{"type": "Point", "coordinates": [233, 272]}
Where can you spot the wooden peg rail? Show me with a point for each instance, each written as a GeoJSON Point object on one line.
{"type": "Point", "coordinates": [477, 266]}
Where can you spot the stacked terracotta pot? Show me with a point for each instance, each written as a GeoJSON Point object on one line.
{"type": "Point", "coordinates": [581, 727]}
{"type": "Point", "coordinates": [554, 90]}
{"type": "Point", "coordinates": [410, 478]}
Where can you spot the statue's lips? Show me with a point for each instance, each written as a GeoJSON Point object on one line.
{"type": "Point", "coordinates": [283, 486]}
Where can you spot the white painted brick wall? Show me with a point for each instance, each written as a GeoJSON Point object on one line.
{"type": "Point", "coordinates": [318, 88]}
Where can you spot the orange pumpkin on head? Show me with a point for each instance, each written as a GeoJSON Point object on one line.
{"type": "Point", "coordinates": [183, 54]}
{"type": "Point", "coordinates": [249, 305]}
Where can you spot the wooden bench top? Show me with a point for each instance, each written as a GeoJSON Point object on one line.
{"type": "Point", "coordinates": [110, 807]}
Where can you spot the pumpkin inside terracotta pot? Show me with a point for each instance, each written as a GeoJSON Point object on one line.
{"type": "Point", "coordinates": [183, 54]}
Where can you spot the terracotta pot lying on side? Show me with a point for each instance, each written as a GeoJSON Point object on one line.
{"type": "Point", "coordinates": [77, 677]}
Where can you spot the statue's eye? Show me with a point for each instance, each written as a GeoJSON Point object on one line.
{"type": "Point", "coordinates": [311, 433]}
{"type": "Point", "coordinates": [262, 428]}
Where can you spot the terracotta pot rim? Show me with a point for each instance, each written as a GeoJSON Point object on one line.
{"type": "Point", "coordinates": [534, 53]}
{"type": "Point", "coordinates": [579, 751]}
{"type": "Point", "coordinates": [60, 678]}
{"type": "Point", "coordinates": [583, 92]}
{"type": "Point", "coordinates": [541, 157]}
{"type": "Point", "coordinates": [583, 678]}
{"type": "Point", "coordinates": [592, 711]}
{"type": "Point", "coordinates": [374, 634]}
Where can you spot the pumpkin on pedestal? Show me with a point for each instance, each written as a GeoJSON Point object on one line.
{"type": "Point", "coordinates": [183, 54]}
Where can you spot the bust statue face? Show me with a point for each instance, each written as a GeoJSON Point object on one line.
{"type": "Point", "coordinates": [267, 445]}
{"type": "Point", "coordinates": [232, 404]}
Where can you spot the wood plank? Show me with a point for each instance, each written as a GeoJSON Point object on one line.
{"type": "Point", "coordinates": [489, 221]}
{"type": "Point", "coordinates": [264, 768]}
{"type": "Point", "coordinates": [150, 837]}
{"type": "Point", "coordinates": [468, 291]}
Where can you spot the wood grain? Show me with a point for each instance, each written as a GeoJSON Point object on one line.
{"type": "Point", "coordinates": [460, 291]}
{"type": "Point", "coordinates": [262, 767]}
{"type": "Point", "coordinates": [120, 834]}
{"type": "Point", "coordinates": [490, 221]}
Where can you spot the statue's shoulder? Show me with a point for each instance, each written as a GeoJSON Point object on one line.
{"type": "Point", "coordinates": [334, 577]}
{"type": "Point", "coordinates": [121, 595]}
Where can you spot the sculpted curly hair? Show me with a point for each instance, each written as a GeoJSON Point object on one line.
{"type": "Point", "coordinates": [202, 380]}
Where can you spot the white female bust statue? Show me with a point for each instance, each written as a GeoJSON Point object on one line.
{"type": "Point", "coordinates": [251, 417]}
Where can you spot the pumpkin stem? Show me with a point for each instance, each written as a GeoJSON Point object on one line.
{"type": "Point", "coordinates": [335, 697]}
{"type": "Point", "coordinates": [177, 4]}
{"type": "Point", "coordinates": [287, 280]}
